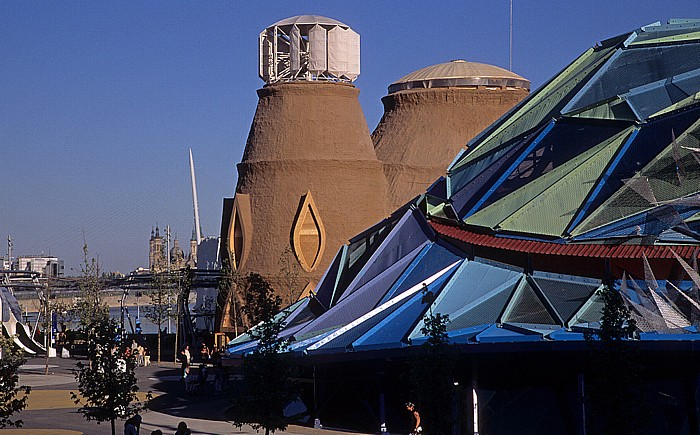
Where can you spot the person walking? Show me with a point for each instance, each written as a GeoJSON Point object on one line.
{"type": "Point", "coordinates": [415, 417]}
{"type": "Point", "coordinates": [185, 361]}
{"type": "Point", "coordinates": [132, 425]}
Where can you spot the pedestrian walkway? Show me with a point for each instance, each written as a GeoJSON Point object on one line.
{"type": "Point", "coordinates": [51, 410]}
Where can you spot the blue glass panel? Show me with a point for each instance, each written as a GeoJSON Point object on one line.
{"type": "Point", "coordinates": [652, 222]}
{"type": "Point", "coordinates": [468, 184]}
{"type": "Point", "coordinates": [394, 326]}
{"type": "Point", "coordinates": [636, 67]}
{"type": "Point", "coordinates": [361, 301]}
{"type": "Point", "coordinates": [436, 257]}
{"type": "Point", "coordinates": [411, 232]}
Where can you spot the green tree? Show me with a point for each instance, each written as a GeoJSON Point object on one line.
{"type": "Point", "coordinates": [160, 308]}
{"type": "Point", "coordinates": [615, 396]}
{"type": "Point", "coordinates": [90, 307]}
{"type": "Point", "coordinates": [432, 372]}
{"type": "Point", "coordinates": [232, 287]}
{"type": "Point", "coordinates": [288, 276]}
{"type": "Point", "coordinates": [268, 370]}
{"type": "Point", "coordinates": [13, 397]}
{"type": "Point", "coordinates": [107, 385]}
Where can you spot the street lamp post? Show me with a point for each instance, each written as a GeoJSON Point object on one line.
{"type": "Point", "coordinates": [121, 305]}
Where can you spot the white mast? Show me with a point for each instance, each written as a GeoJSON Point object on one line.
{"type": "Point", "coordinates": [194, 200]}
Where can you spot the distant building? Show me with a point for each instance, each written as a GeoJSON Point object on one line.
{"type": "Point", "coordinates": [207, 255]}
{"type": "Point", "coordinates": [46, 266]}
{"type": "Point", "coordinates": [157, 259]}
{"type": "Point", "coordinates": [156, 252]}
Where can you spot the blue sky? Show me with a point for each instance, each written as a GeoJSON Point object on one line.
{"type": "Point", "coordinates": [100, 101]}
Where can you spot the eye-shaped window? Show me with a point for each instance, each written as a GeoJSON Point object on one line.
{"type": "Point", "coordinates": [240, 228]}
{"type": "Point", "coordinates": [308, 234]}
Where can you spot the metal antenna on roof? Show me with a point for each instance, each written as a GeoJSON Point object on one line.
{"type": "Point", "coordinates": [510, 62]}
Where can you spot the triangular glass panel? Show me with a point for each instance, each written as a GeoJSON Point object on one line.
{"type": "Point", "coordinates": [527, 307]}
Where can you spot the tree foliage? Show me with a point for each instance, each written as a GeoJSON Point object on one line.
{"type": "Point", "coordinates": [107, 385]}
{"type": "Point", "coordinates": [268, 370]}
{"type": "Point", "coordinates": [13, 397]}
{"type": "Point", "coordinates": [288, 276]}
{"type": "Point", "coordinates": [162, 298]}
{"type": "Point", "coordinates": [90, 307]}
{"type": "Point", "coordinates": [232, 287]}
{"type": "Point", "coordinates": [615, 394]}
{"type": "Point", "coordinates": [432, 372]}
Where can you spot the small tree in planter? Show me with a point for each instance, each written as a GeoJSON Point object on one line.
{"type": "Point", "coordinates": [107, 385]}
{"type": "Point", "coordinates": [267, 370]}
{"type": "Point", "coordinates": [161, 303]}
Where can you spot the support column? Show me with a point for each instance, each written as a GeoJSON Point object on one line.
{"type": "Point", "coordinates": [582, 404]}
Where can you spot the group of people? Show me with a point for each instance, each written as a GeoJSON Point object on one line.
{"type": "Point", "coordinates": [198, 384]}
{"type": "Point", "coordinates": [143, 356]}
{"type": "Point", "coordinates": [132, 426]}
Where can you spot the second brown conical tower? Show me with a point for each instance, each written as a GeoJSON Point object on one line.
{"type": "Point", "coordinates": [431, 114]}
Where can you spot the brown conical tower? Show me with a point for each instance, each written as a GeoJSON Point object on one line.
{"type": "Point", "coordinates": [309, 180]}
{"type": "Point", "coordinates": [431, 114]}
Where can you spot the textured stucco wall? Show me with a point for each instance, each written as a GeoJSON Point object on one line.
{"type": "Point", "coordinates": [307, 137]}
{"type": "Point", "coordinates": [423, 130]}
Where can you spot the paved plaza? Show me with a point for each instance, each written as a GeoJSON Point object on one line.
{"type": "Point", "coordinates": [50, 409]}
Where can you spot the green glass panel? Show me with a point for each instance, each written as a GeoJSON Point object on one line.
{"type": "Point", "coordinates": [539, 106]}
{"type": "Point", "coordinates": [660, 176]}
{"type": "Point", "coordinates": [546, 205]}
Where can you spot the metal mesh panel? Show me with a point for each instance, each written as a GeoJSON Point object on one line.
{"type": "Point", "coordinates": [468, 183]}
{"type": "Point", "coordinates": [484, 313]}
{"type": "Point", "coordinates": [541, 105]}
{"type": "Point", "coordinates": [615, 201]}
{"type": "Point", "coordinates": [471, 282]}
{"type": "Point", "coordinates": [637, 67]}
{"type": "Point", "coordinates": [10, 303]}
{"type": "Point", "coordinates": [528, 308]}
{"type": "Point", "coordinates": [435, 259]}
{"type": "Point", "coordinates": [350, 336]}
{"type": "Point", "coordinates": [593, 312]}
{"type": "Point", "coordinates": [565, 141]}
{"type": "Point", "coordinates": [544, 208]}
{"type": "Point", "coordinates": [663, 33]}
{"type": "Point", "coordinates": [361, 301]}
{"type": "Point", "coordinates": [5, 306]}
{"type": "Point", "coordinates": [403, 240]}
{"type": "Point", "coordinates": [686, 301]}
{"type": "Point", "coordinates": [566, 296]}
{"type": "Point", "coordinates": [326, 287]}
{"type": "Point", "coordinates": [393, 327]}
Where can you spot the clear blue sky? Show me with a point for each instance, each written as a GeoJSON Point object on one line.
{"type": "Point", "coordinates": [100, 101]}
